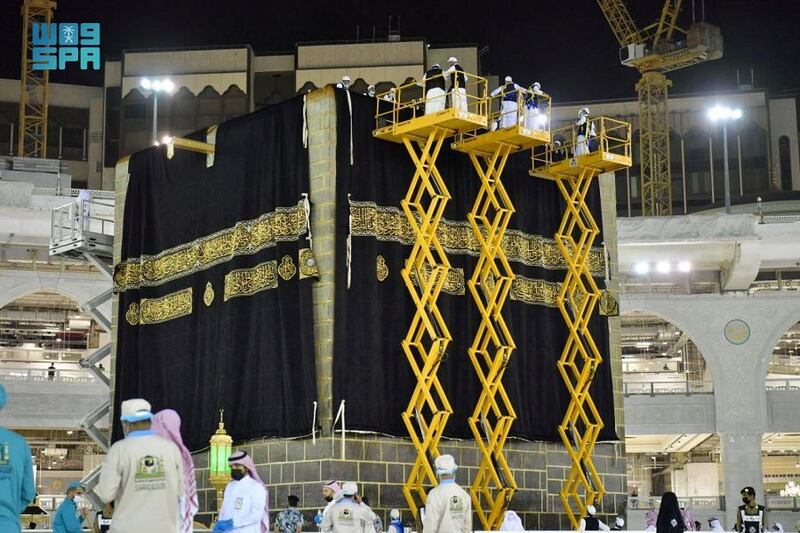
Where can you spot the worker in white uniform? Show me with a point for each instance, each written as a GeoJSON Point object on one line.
{"type": "Point", "coordinates": [348, 515]}
{"type": "Point", "coordinates": [714, 525]}
{"type": "Point", "coordinates": [244, 505]}
{"type": "Point", "coordinates": [433, 85]}
{"type": "Point", "coordinates": [448, 508]}
{"type": "Point", "coordinates": [509, 103]}
{"type": "Point", "coordinates": [458, 85]}
{"type": "Point", "coordinates": [533, 115]}
{"type": "Point", "coordinates": [345, 83]}
{"type": "Point", "coordinates": [585, 129]}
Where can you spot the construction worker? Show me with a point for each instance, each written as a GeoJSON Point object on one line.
{"type": "Point", "coordinates": [509, 104]}
{"type": "Point", "coordinates": [532, 112]}
{"type": "Point", "coordinates": [458, 85]}
{"type": "Point", "coordinates": [584, 129]}
{"type": "Point", "coordinates": [433, 85]}
{"type": "Point", "coordinates": [448, 508]}
{"type": "Point", "coordinates": [345, 83]}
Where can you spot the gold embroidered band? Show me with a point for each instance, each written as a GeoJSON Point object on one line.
{"type": "Point", "coordinates": [247, 281]}
{"type": "Point", "coordinates": [244, 238]}
{"type": "Point", "coordinates": [162, 309]}
{"type": "Point", "coordinates": [390, 224]}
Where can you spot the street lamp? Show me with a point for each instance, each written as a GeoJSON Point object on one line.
{"type": "Point", "coordinates": [724, 114]}
{"type": "Point", "coordinates": [155, 87]}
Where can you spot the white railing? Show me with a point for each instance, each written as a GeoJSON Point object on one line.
{"type": "Point", "coordinates": [668, 387]}
{"type": "Point", "coordinates": [70, 221]}
{"type": "Point", "coordinates": [716, 503]}
{"type": "Point", "coordinates": [783, 502]}
{"type": "Point", "coordinates": [41, 356]}
{"type": "Point", "coordinates": [44, 375]}
{"type": "Point", "coordinates": [783, 384]}
{"type": "Point", "coordinates": [53, 191]}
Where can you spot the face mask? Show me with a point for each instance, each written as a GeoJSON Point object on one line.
{"type": "Point", "coordinates": [78, 499]}
{"type": "Point", "coordinates": [328, 498]}
{"type": "Point", "coordinates": [237, 474]}
{"type": "Point", "coordinates": [745, 499]}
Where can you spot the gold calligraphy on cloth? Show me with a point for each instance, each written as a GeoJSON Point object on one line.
{"type": "Point", "coordinates": [247, 237]}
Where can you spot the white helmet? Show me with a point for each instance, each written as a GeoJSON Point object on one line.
{"type": "Point", "coordinates": [452, 60]}
{"type": "Point", "coordinates": [349, 489]}
{"type": "Point", "coordinates": [583, 111]}
{"type": "Point", "coordinates": [591, 510]}
{"type": "Point", "coordinates": [537, 85]}
{"type": "Point", "coordinates": [394, 514]}
{"type": "Point", "coordinates": [508, 79]}
{"type": "Point", "coordinates": [445, 464]}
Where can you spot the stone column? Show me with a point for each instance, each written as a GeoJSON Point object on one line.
{"type": "Point", "coordinates": [741, 461]}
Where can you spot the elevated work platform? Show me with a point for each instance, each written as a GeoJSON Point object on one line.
{"type": "Point", "coordinates": [83, 227]}
{"type": "Point", "coordinates": [407, 112]}
{"type": "Point", "coordinates": [521, 124]}
{"type": "Point", "coordinates": [606, 148]}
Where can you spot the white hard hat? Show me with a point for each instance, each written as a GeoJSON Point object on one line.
{"type": "Point", "coordinates": [435, 65]}
{"type": "Point", "coordinates": [349, 489]}
{"type": "Point", "coordinates": [591, 509]}
{"type": "Point", "coordinates": [537, 85]}
{"type": "Point", "coordinates": [394, 514]}
{"type": "Point", "coordinates": [345, 78]}
{"type": "Point", "coordinates": [452, 60]}
{"type": "Point", "coordinates": [445, 464]}
{"type": "Point", "coordinates": [508, 79]}
{"type": "Point", "coordinates": [583, 111]}
{"type": "Point", "coordinates": [620, 522]}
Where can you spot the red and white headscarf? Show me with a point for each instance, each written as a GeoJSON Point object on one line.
{"type": "Point", "coordinates": [241, 458]}
{"type": "Point", "coordinates": [167, 424]}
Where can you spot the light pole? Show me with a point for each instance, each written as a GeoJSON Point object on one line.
{"type": "Point", "coordinates": [724, 114]}
{"type": "Point", "coordinates": [155, 87]}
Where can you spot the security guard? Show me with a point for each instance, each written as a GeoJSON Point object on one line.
{"type": "Point", "coordinates": [750, 517]}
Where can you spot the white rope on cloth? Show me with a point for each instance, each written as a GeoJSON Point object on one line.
{"type": "Point", "coordinates": [339, 413]}
{"type": "Point", "coordinates": [350, 107]}
{"type": "Point", "coordinates": [307, 209]}
{"type": "Point", "coordinates": [314, 426]}
{"type": "Point", "coordinates": [305, 124]}
{"type": "Point", "coordinates": [349, 258]}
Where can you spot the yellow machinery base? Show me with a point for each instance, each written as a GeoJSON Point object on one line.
{"type": "Point", "coordinates": [421, 127]}
{"type": "Point", "coordinates": [486, 144]}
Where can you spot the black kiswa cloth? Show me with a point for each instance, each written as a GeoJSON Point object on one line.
{"type": "Point", "coordinates": [371, 371]}
{"type": "Point", "coordinates": [252, 355]}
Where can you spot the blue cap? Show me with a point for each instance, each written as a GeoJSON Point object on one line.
{"type": "Point", "coordinates": [3, 397]}
{"type": "Point", "coordinates": [75, 485]}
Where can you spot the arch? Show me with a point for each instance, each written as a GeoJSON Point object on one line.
{"type": "Point", "coordinates": [184, 111]}
{"type": "Point", "coordinates": [234, 103]}
{"type": "Point", "coordinates": [781, 326]}
{"type": "Point", "coordinates": [384, 87]}
{"type": "Point", "coordinates": [785, 162]}
{"type": "Point", "coordinates": [663, 334]}
{"type": "Point", "coordinates": [410, 90]}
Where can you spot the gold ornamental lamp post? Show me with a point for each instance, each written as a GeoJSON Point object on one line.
{"type": "Point", "coordinates": [219, 472]}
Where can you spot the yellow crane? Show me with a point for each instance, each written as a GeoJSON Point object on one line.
{"type": "Point", "coordinates": [658, 48]}
{"type": "Point", "coordinates": [34, 84]}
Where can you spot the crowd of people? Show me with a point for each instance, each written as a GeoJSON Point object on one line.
{"type": "Point", "coordinates": [147, 484]}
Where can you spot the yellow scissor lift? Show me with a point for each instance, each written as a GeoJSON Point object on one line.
{"type": "Point", "coordinates": [401, 118]}
{"type": "Point", "coordinates": [518, 127]}
{"type": "Point", "coordinates": [572, 162]}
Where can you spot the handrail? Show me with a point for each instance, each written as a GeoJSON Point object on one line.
{"type": "Point", "coordinates": [44, 375]}
{"type": "Point", "coordinates": [530, 111]}
{"type": "Point", "coordinates": [782, 384]}
{"type": "Point", "coordinates": [696, 502]}
{"type": "Point", "coordinates": [652, 388]}
{"type": "Point", "coordinates": [402, 104]}
{"type": "Point", "coordinates": [602, 133]}
{"type": "Point", "coordinates": [70, 221]}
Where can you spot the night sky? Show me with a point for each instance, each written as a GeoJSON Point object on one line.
{"type": "Point", "coordinates": [565, 44]}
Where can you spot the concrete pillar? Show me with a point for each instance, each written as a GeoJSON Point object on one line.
{"type": "Point", "coordinates": [741, 463]}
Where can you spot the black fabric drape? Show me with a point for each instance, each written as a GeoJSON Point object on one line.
{"type": "Point", "coordinates": [370, 370]}
{"type": "Point", "coordinates": [247, 348]}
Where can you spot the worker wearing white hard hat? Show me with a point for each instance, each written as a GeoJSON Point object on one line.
{"type": "Point", "coordinates": [345, 83]}
{"type": "Point", "coordinates": [509, 93]}
{"type": "Point", "coordinates": [585, 129]}
{"type": "Point", "coordinates": [591, 522]}
{"type": "Point", "coordinates": [448, 508]}
{"type": "Point", "coordinates": [534, 118]}
{"type": "Point", "coordinates": [458, 85]}
{"type": "Point", "coordinates": [395, 525]}
{"type": "Point", "coordinates": [347, 515]}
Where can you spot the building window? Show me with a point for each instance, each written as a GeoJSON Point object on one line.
{"type": "Point", "coordinates": [785, 161]}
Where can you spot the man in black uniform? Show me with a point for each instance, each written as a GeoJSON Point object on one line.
{"type": "Point", "coordinates": [433, 84]}
{"type": "Point", "coordinates": [590, 522]}
{"type": "Point", "coordinates": [750, 517]}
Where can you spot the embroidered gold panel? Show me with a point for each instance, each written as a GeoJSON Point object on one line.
{"type": "Point", "coordinates": [454, 284]}
{"type": "Point", "coordinates": [535, 291]}
{"type": "Point", "coordinates": [308, 264]}
{"type": "Point", "coordinates": [161, 309]}
{"type": "Point", "coordinates": [247, 281]}
{"type": "Point", "coordinates": [244, 238]}
{"type": "Point", "coordinates": [390, 224]}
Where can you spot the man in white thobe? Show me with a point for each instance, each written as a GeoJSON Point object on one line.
{"type": "Point", "coordinates": [509, 103]}
{"type": "Point", "coordinates": [448, 508]}
{"type": "Point", "coordinates": [458, 85]}
{"type": "Point", "coordinates": [244, 505]}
